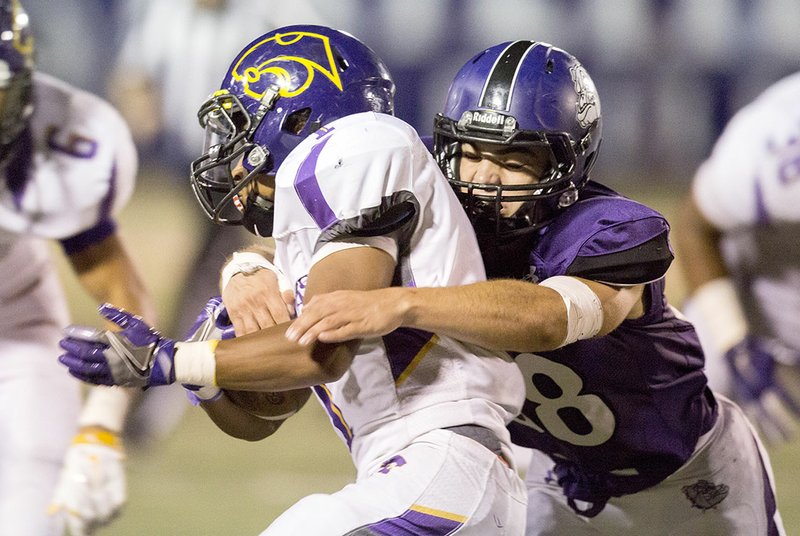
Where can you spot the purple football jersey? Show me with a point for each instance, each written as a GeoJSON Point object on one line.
{"type": "Point", "coordinates": [617, 413]}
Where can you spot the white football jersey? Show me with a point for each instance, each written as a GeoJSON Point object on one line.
{"type": "Point", "coordinates": [753, 173]}
{"type": "Point", "coordinates": [74, 170]}
{"type": "Point", "coordinates": [78, 169]}
{"type": "Point", "coordinates": [353, 179]}
{"type": "Point", "coordinates": [750, 189]}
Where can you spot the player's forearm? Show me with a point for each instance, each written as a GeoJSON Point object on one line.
{"type": "Point", "coordinates": [697, 248]}
{"type": "Point", "coordinates": [267, 361]}
{"type": "Point", "coordinates": [107, 407]}
{"type": "Point", "coordinates": [500, 314]}
{"type": "Point", "coordinates": [109, 275]}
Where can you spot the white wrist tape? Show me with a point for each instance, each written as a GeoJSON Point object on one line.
{"type": "Point", "coordinates": [106, 407]}
{"type": "Point", "coordinates": [195, 362]}
{"type": "Point", "coordinates": [715, 310]}
{"type": "Point", "coordinates": [584, 309]}
{"type": "Point", "coordinates": [247, 262]}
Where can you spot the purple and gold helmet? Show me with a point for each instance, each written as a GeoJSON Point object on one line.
{"type": "Point", "coordinates": [16, 71]}
{"type": "Point", "coordinates": [281, 87]}
{"type": "Point", "coordinates": [521, 93]}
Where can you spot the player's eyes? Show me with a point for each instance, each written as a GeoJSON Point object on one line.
{"type": "Point", "coordinates": [514, 166]}
{"type": "Point", "coordinates": [472, 157]}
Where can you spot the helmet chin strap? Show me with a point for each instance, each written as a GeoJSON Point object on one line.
{"type": "Point", "coordinates": [259, 216]}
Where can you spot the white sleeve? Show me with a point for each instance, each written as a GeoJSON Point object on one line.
{"type": "Point", "coordinates": [753, 173]}
{"type": "Point", "coordinates": [82, 170]}
{"type": "Point", "coordinates": [724, 186]}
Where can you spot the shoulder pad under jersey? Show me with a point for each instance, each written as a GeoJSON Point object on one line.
{"type": "Point", "coordinates": [606, 238]}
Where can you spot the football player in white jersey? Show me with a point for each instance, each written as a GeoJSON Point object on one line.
{"type": "Point", "coordinates": [737, 241]}
{"type": "Point", "coordinates": [67, 164]}
{"type": "Point", "coordinates": [301, 146]}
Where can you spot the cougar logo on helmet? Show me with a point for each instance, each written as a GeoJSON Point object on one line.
{"type": "Point", "coordinates": [283, 87]}
{"type": "Point", "coordinates": [587, 104]}
{"type": "Point", "coordinates": [257, 78]}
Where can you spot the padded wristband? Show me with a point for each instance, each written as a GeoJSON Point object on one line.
{"type": "Point", "coordinates": [195, 362]}
{"type": "Point", "coordinates": [584, 309]}
{"type": "Point", "coordinates": [248, 262]}
{"type": "Point", "coordinates": [105, 407]}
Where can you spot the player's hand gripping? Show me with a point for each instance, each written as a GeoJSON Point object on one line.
{"type": "Point", "coordinates": [212, 323]}
{"type": "Point", "coordinates": [135, 356]}
{"type": "Point", "coordinates": [753, 364]}
{"type": "Point", "coordinates": [258, 299]}
{"type": "Point", "coordinates": [347, 314]}
{"type": "Point", "coordinates": [91, 489]}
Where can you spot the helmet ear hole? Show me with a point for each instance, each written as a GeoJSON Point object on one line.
{"type": "Point", "coordinates": [296, 121]}
{"type": "Point", "coordinates": [341, 62]}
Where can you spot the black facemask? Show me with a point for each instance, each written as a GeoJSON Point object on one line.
{"type": "Point", "coordinates": [506, 256]}
{"type": "Point", "coordinates": [259, 216]}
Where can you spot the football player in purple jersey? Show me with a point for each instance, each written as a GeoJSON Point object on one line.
{"type": "Point", "coordinates": [627, 437]}
{"type": "Point", "coordinates": [737, 242]}
{"type": "Point", "coordinates": [67, 167]}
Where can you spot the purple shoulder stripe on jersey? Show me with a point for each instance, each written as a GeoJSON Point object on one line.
{"type": "Point", "coordinates": [334, 413]}
{"type": "Point", "coordinates": [419, 522]}
{"type": "Point", "coordinates": [307, 187]}
{"type": "Point", "coordinates": [762, 216]}
{"type": "Point", "coordinates": [89, 237]}
{"type": "Point", "coordinates": [404, 348]}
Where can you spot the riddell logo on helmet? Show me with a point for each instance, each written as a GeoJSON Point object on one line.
{"type": "Point", "coordinates": [285, 54]}
{"type": "Point", "coordinates": [487, 121]}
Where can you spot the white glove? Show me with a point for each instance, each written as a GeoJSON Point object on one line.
{"type": "Point", "coordinates": [91, 490]}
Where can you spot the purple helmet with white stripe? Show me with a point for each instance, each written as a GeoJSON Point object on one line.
{"type": "Point", "coordinates": [279, 89]}
{"type": "Point", "coordinates": [16, 71]}
{"type": "Point", "coordinates": [521, 93]}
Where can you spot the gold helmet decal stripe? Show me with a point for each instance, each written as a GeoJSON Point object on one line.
{"type": "Point", "coordinates": [249, 76]}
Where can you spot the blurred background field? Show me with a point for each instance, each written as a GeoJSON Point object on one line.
{"type": "Point", "coordinates": [197, 481]}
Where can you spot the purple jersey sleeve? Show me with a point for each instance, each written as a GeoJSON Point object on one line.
{"type": "Point", "coordinates": [605, 237]}
{"type": "Point", "coordinates": [89, 237]}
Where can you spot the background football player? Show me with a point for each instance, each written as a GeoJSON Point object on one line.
{"type": "Point", "coordinates": [737, 240]}
{"type": "Point", "coordinates": [68, 166]}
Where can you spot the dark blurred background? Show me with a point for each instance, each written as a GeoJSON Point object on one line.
{"type": "Point", "coordinates": [669, 72]}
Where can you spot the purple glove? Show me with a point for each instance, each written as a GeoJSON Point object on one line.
{"type": "Point", "coordinates": [755, 386]}
{"type": "Point", "coordinates": [212, 323]}
{"type": "Point", "coordinates": [136, 356]}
